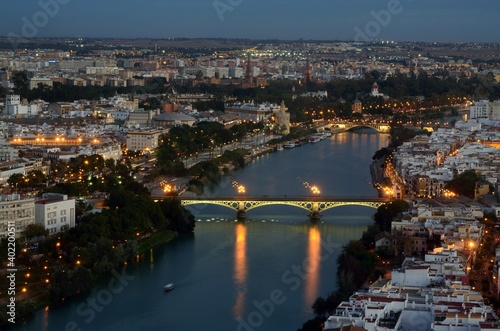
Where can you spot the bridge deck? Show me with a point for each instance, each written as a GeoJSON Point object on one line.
{"type": "Point", "coordinates": [287, 198]}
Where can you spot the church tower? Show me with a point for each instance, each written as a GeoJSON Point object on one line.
{"type": "Point", "coordinates": [248, 82]}
{"type": "Point", "coordinates": [308, 74]}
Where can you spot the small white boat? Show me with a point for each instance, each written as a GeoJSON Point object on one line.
{"type": "Point", "coordinates": [289, 145]}
{"type": "Point", "coordinates": [168, 287]}
{"type": "Point", "coordinates": [314, 139]}
{"type": "Point", "coordinates": [279, 148]}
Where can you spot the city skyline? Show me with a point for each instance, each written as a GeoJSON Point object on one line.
{"type": "Point", "coordinates": [363, 20]}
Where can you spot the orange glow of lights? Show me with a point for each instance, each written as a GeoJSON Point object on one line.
{"type": "Point", "coordinates": [312, 269]}
{"type": "Point", "coordinates": [240, 269]}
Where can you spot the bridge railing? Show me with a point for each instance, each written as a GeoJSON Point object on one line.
{"type": "Point", "coordinates": [289, 198]}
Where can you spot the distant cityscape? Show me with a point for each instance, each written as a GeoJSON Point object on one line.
{"type": "Point", "coordinates": [75, 110]}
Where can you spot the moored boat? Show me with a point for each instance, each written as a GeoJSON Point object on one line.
{"type": "Point", "coordinates": [314, 139]}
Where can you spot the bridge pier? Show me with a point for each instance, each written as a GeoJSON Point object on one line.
{"type": "Point", "coordinates": [241, 214]}
{"type": "Point", "coordinates": [315, 216]}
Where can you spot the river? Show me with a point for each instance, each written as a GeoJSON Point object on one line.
{"type": "Point", "coordinates": [261, 275]}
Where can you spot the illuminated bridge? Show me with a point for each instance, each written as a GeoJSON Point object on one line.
{"type": "Point", "coordinates": [383, 128]}
{"type": "Point", "coordinates": [315, 205]}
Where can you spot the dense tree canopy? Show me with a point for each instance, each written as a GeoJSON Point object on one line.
{"type": "Point", "coordinates": [465, 183]}
{"type": "Point", "coordinates": [386, 213]}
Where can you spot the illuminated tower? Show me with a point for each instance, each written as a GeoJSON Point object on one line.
{"type": "Point", "coordinates": [282, 119]}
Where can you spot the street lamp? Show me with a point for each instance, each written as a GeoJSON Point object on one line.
{"type": "Point", "coordinates": [241, 189]}
{"type": "Point", "coordinates": [315, 190]}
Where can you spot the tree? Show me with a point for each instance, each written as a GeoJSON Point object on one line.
{"type": "Point", "coordinates": [355, 262]}
{"type": "Point", "coordinates": [35, 230]}
{"type": "Point", "coordinates": [36, 177]}
{"type": "Point", "coordinates": [70, 189]}
{"type": "Point", "coordinates": [16, 181]}
{"type": "Point", "coordinates": [151, 103]}
{"type": "Point", "coordinates": [368, 238]}
{"type": "Point", "coordinates": [180, 219]}
{"type": "Point", "coordinates": [399, 134]}
{"type": "Point", "coordinates": [465, 183]}
{"type": "Point", "coordinates": [21, 82]}
{"type": "Point", "coordinates": [319, 307]}
{"type": "Point", "coordinates": [383, 152]}
{"type": "Point", "coordinates": [387, 212]}
{"type": "Point", "coordinates": [109, 163]}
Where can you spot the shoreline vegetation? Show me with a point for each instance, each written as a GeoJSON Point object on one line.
{"type": "Point", "coordinates": [27, 307]}
{"type": "Point", "coordinates": [68, 265]}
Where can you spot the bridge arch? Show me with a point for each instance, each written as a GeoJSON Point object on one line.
{"type": "Point", "coordinates": [360, 126]}
{"type": "Point", "coordinates": [329, 205]}
{"type": "Point", "coordinates": [311, 206]}
{"type": "Point", "coordinates": [224, 203]}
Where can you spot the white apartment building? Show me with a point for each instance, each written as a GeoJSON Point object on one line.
{"type": "Point", "coordinates": [7, 152]}
{"type": "Point", "coordinates": [143, 140]}
{"type": "Point", "coordinates": [14, 107]}
{"type": "Point", "coordinates": [19, 212]}
{"type": "Point", "coordinates": [121, 115]}
{"type": "Point", "coordinates": [485, 109]}
{"type": "Point", "coordinates": [223, 72]}
{"type": "Point", "coordinates": [55, 212]}
{"type": "Point", "coordinates": [494, 110]}
{"type": "Point", "coordinates": [479, 109]}
{"type": "Point", "coordinates": [102, 70]}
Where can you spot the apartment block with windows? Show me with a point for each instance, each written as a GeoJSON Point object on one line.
{"type": "Point", "coordinates": [55, 212]}
{"type": "Point", "coordinates": [15, 209]}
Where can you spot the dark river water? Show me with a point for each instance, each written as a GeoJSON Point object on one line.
{"type": "Point", "coordinates": [261, 275]}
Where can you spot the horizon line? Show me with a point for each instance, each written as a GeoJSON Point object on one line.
{"type": "Point", "coordinates": [16, 37]}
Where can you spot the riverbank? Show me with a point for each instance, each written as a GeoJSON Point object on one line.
{"type": "Point", "coordinates": [156, 238]}
{"type": "Point", "coordinates": [377, 174]}
{"type": "Point", "coordinates": [26, 306]}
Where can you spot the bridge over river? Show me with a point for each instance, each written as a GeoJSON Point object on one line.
{"type": "Point", "coordinates": [315, 205]}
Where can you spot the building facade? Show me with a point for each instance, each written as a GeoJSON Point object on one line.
{"type": "Point", "coordinates": [14, 107]}
{"type": "Point", "coordinates": [143, 140]}
{"type": "Point", "coordinates": [479, 109]}
{"type": "Point", "coordinates": [282, 119]}
{"type": "Point", "coordinates": [251, 111]}
{"type": "Point", "coordinates": [55, 212]}
{"type": "Point", "coordinates": [15, 213]}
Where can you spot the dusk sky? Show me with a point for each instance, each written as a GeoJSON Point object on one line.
{"type": "Point", "coordinates": [410, 20]}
